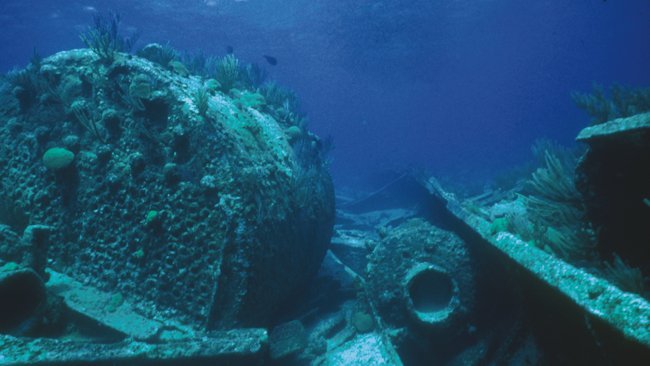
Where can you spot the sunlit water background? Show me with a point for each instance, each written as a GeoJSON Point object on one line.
{"type": "Point", "coordinates": [458, 88]}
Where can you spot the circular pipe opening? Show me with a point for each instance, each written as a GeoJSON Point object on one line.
{"type": "Point", "coordinates": [430, 294]}
{"type": "Point", "coordinates": [430, 291]}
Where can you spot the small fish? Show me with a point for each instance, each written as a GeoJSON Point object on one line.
{"type": "Point", "coordinates": [271, 60]}
{"type": "Point", "coordinates": [229, 50]}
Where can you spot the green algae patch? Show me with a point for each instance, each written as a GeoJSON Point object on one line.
{"type": "Point", "coordinates": [57, 158]}
{"type": "Point", "coordinates": [499, 225]}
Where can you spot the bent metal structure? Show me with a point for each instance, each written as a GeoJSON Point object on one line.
{"type": "Point", "coordinates": [174, 229]}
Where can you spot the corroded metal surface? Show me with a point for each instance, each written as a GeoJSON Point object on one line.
{"type": "Point", "coordinates": [624, 312]}
{"type": "Point", "coordinates": [635, 123]}
{"type": "Point", "coordinates": [235, 347]}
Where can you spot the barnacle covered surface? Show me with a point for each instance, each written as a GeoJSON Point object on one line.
{"type": "Point", "coordinates": [187, 209]}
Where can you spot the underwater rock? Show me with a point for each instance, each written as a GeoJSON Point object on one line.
{"type": "Point", "coordinates": [420, 280]}
{"type": "Point", "coordinates": [243, 218]}
{"type": "Point", "coordinates": [157, 53]}
{"type": "Point", "coordinates": [21, 294]}
{"type": "Point", "coordinates": [614, 180]}
{"type": "Point", "coordinates": [363, 350]}
{"type": "Point", "coordinates": [362, 321]}
{"type": "Point", "coordinates": [287, 340]}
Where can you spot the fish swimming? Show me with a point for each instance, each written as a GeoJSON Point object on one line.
{"type": "Point", "coordinates": [271, 60]}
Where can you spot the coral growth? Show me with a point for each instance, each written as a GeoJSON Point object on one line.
{"type": "Point", "coordinates": [138, 138]}
{"type": "Point", "coordinates": [548, 211]}
{"type": "Point", "coordinates": [624, 276]}
{"type": "Point", "coordinates": [554, 205]}
{"type": "Point", "coordinates": [621, 102]}
{"type": "Point", "coordinates": [104, 37]}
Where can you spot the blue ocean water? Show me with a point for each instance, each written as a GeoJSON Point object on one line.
{"type": "Point", "coordinates": [165, 216]}
{"type": "Point", "coordinates": [459, 88]}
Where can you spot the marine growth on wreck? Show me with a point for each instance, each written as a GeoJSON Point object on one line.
{"type": "Point", "coordinates": [161, 206]}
